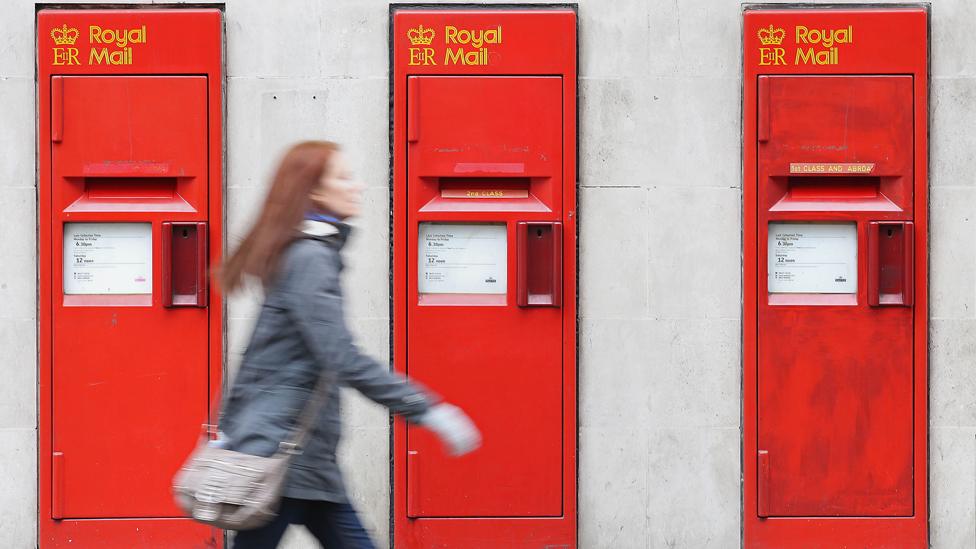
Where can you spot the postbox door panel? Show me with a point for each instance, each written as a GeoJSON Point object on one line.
{"type": "Point", "coordinates": [130, 376]}
{"type": "Point", "coordinates": [835, 367]}
{"type": "Point", "coordinates": [484, 166]}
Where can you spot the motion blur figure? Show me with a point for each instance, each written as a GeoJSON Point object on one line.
{"type": "Point", "coordinates": [294, 250]}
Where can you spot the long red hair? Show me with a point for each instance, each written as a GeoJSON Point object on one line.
{"type": "Point", "coordinates": [287, 202]}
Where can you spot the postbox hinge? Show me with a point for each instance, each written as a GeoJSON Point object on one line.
{"type": "Point", "coordinates": [413, 109]}
{"type": "Point", "coordinates": [762, 110]}
{"type": "Point", "coordinates": [412, 484]}
{"type": "Point", "coordinates": [57, 108]}
{"type": "Point", "coordinates": [57, 485]}
{"type": "Point", "coordinates": [762, 496]}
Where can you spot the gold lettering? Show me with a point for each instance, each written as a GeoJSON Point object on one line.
{"type": "Point", "coordinates": [98, 56]}
{"type": "Point", "coordinates": [65, 56]}
{"type": "Point", "coordinates": [106, 57]}
{"type": "Point", "coordinates": [119, 37]}
{"type": "Point", "coordinates": [477, 38]}
{"type": "Point", "coordinates": [825, 37]}
{"type": "Point", "coordinates": [772, 56]}
{"type": "Point", "coordinates": [453, 57]}
{"type": "Point", "coordinates": [450, 35]}
{"type": "Point", "coordinates": [422, 56]}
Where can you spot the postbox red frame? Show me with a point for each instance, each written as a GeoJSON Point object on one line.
{"type": "Point", "coordinates": [890, 41]}
{"type": "Point", "coordinates": [182, 42]}
{"type": "Point", "coordinates": [538, 38]}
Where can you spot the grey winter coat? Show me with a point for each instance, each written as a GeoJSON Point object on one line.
{"type": "Point", "coordinates": [299, 334]}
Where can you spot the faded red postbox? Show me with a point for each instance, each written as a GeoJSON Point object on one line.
{"type": "Point", "coordinates": [129, 220]}
{"type": "Point", "coordinates": [484, 129]}
{"type": "Point", "coordinates": [835, 304]}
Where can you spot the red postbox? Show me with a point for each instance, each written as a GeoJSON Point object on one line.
{"type": "Point", "coordinates": [484, 231]}
{"type": "Point", "coordinates": [835, 231]}
{"type": "Point", "coordinates": [130, 220]}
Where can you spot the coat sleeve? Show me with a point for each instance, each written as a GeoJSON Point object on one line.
{"type": "Point", "coordinates": [313, 298]}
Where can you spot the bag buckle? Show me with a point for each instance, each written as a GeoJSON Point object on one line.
{"type": "Point", "coordinates": [290, 448]}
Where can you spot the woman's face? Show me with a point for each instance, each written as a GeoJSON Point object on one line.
{"type": "Point", "coordinates": [338, 194]}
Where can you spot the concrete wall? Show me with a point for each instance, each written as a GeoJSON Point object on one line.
{"type": "Point", "coordinates": [660, 259]}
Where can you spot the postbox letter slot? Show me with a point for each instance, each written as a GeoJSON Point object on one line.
{"type": "Point", "coordinates": [890, 263]}
{"type": "Point", "coordinates": [184, 264]}
{"type": "Point", "coordinates": [539, 264]}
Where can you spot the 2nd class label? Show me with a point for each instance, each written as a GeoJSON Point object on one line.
{"type": "Point", "coordinates": [484, 193]}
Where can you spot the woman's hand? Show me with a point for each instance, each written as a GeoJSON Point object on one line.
{"type": "Point", "coordinates": [453, 427]}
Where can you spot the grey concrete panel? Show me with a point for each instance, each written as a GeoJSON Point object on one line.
{"type": "Point", "coordinates": [295, 27]}
{"type": "Point", "coordinates": [270, 114]}
{"type": "Point", "coordinates": [660, 132]}
{"type": "Point", "coordinates": [352, 113]}
{"type": "Point", "coordinates": [615, 122]}
{"type": "Point", "coordinates": [614, 43]}
{"type": "Point", "coordinates": [952, 260]}
{"type": "Point", "coordinates": [952, 377]}
{"type": "Point", "coordinates": [17, 163]}
{"type": "Point", "coordinates": [695, 252]}
{"type": "Point", "coordinates": [18, 392]}
{"type": "Point", "coordinates": [951, 160]}
{"type": "Point", "coordinates": [17, 58]}
{"type": "Point", "coordinates": [694, 496]}
{"type": "Point", "coordinates": [614, 483]}
{"type": "Point", "coordinates": [953, 51]}
{"type": "Point", "coordinates": [706, 36]}
{"type": "Point", "coordinates": [693, 124]}
{"type": "Point", "coordinates": [952, 478]}
{"type": "Point", "coordinates": [18, 487]}
{"type": "Point", "coordinates": [18, 271]}
{"type": "Point", "coordinates": [695, 373]}
{"type": "Point", "coordinates": [659, 373]}
{"type": "Point", "coordinates": [613, 253]}
{"type": "Point", "coordinates": [615, 375]}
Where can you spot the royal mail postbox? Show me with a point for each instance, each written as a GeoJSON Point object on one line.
{"type": "Point", "coordinates": [835, 278]}
{"type": "Point", "coordinates": [484, 235]}
{"type": "Point", "coordinates": [130, 222]}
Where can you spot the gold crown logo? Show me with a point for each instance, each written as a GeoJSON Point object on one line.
{"type": "Point", "coordinates": [421, 36]}
{"type": "Point", "coordinates": [64, 36]}
{"type": "Point", "coordinates": [771, 36]}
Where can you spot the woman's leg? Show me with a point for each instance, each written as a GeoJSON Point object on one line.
{"type": "Point", "coordinates": [292, 511]}
{"type": "Point", "coordinates": [336, 526]}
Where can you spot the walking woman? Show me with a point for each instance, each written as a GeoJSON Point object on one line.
{"type": "Point", "coordinates": [294, 250]}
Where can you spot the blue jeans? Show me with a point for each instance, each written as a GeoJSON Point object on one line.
{"type": "Point", "coordinates": [335, 525]}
